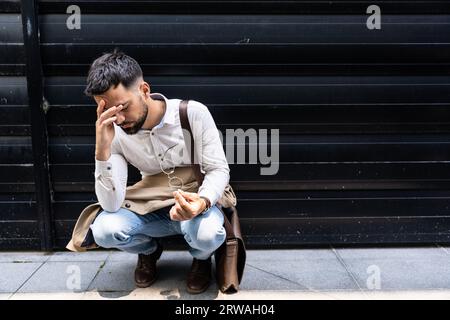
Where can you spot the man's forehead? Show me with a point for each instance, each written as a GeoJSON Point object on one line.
{"type": "Point", "coordinates": [115, 96]}
{"type": "Point", "coordinates": [108, 101]}
{"type": "Point", "coordinates": [112, 101]}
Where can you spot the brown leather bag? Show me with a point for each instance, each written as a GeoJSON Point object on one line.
{"type": "Point", "coordinates": [230, 256]}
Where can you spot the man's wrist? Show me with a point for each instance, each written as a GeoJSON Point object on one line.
{"type": "Point", "coordinates": [102, 155]}
{"type": "Point", "coordinates": [207, 204]}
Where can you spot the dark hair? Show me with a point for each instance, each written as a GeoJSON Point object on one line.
{"type": "Point", "coordinates": [111, 69]}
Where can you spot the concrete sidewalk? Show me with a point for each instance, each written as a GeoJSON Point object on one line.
{"type": "Point", "coordinates": [351, 273]}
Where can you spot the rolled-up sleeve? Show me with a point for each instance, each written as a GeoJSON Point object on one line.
{"type": "Point", "coordinates": [212, 161]}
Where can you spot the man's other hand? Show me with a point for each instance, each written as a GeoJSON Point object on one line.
{"type": "Point", "coordinates": [187, 205]}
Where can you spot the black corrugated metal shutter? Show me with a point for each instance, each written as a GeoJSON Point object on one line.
{"type": "Point", "coordinates": [363, 114]}
{"type": "Point", "coordinates": [19, 221]}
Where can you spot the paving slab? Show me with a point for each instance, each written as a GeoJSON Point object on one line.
{"type": "Point", "coordinates": [71, 276]}
{"type": "Point", "coordinates": [118, 271]}
{"type": "Point", "coordinates": [266, 270]}
{"type": "Point", "coordinates": [404, 273]}
{"type": "Point", "coordinates": [398, 268]}
{"type": "Point", "coordinates": [117, 275]}
{"type": "Point", "coordinates": [13, 275]}
{"type": "Point", "coordinates": [312, 274]}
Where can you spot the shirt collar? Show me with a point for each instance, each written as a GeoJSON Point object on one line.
{"type": "Point", "coordinates": [169, 115]}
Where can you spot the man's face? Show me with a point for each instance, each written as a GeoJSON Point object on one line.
{"type": "Point", "coordinates": [134, 113]}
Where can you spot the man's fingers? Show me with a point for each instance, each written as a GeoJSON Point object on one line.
{"type": "Point", "coordinates": [100, 108]}
{"type": "Point", "coordinates": [108, 121]}
{"type": "Point", "coordinates": [186, 215]}
{"type": "Point", "coordinates": [174, 215]}
{"type": "Point", "coordinates": [109, 113]}
{"type": "Point", "coordinates": [182, 202]}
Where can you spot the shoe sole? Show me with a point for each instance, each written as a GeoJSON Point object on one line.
{"type": "Point", "coordinates": [145, 285]}
{"type": "Point", "coordinates": [192, 291]}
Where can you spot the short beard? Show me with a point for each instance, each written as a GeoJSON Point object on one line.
{"type": "Point", "coordinates": [139, 122]}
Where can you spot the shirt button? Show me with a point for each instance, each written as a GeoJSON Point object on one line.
{"type": "Point", "coordinates": [127, 205]}
{"type": "Point", "coordinates": [153, 133]}
{"type": "Point", "coordinates": [159, 155]}
{"type": "Point", "coordinates": [109, 168]}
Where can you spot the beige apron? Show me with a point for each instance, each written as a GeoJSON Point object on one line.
{"type": "Point", "coordinates": [148, 195]}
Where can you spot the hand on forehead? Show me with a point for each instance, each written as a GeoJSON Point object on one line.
{"type": "Point", "coordinates": [114, 96]}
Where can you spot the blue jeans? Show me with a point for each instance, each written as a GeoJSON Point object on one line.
{"type": "Point", "coordinates": [134, 233]}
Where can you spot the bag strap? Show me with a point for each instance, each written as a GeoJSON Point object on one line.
{"type": "Point", "coordinates": [184, 120]}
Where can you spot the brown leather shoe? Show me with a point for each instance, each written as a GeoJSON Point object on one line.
{"type": "Point", "coordinates": [199, 276]}
{"type": "Point", "coordinates": [145, 273]}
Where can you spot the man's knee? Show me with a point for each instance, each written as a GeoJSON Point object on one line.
{"type": "Point", "coordinates": [207, 238]}
{"type": "Point", "coordinates": [109, 230]}
{"type": "Point", "coordinates": [210, 241]}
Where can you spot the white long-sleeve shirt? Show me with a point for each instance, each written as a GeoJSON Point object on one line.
{"type": "Point", "coordinates": [163, 147]}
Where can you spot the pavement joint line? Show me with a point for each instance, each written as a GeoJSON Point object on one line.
{"type": "Point", "coordinates": [350, 273]}
{"type": "Point", "coordinates": [280, 277]}
{"type": "Point", "coordinates": [100, 268]}
{"type": "Point", "coordinates": [34, 272]}
{"type": "Point", "coordinates": [309, 289]}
